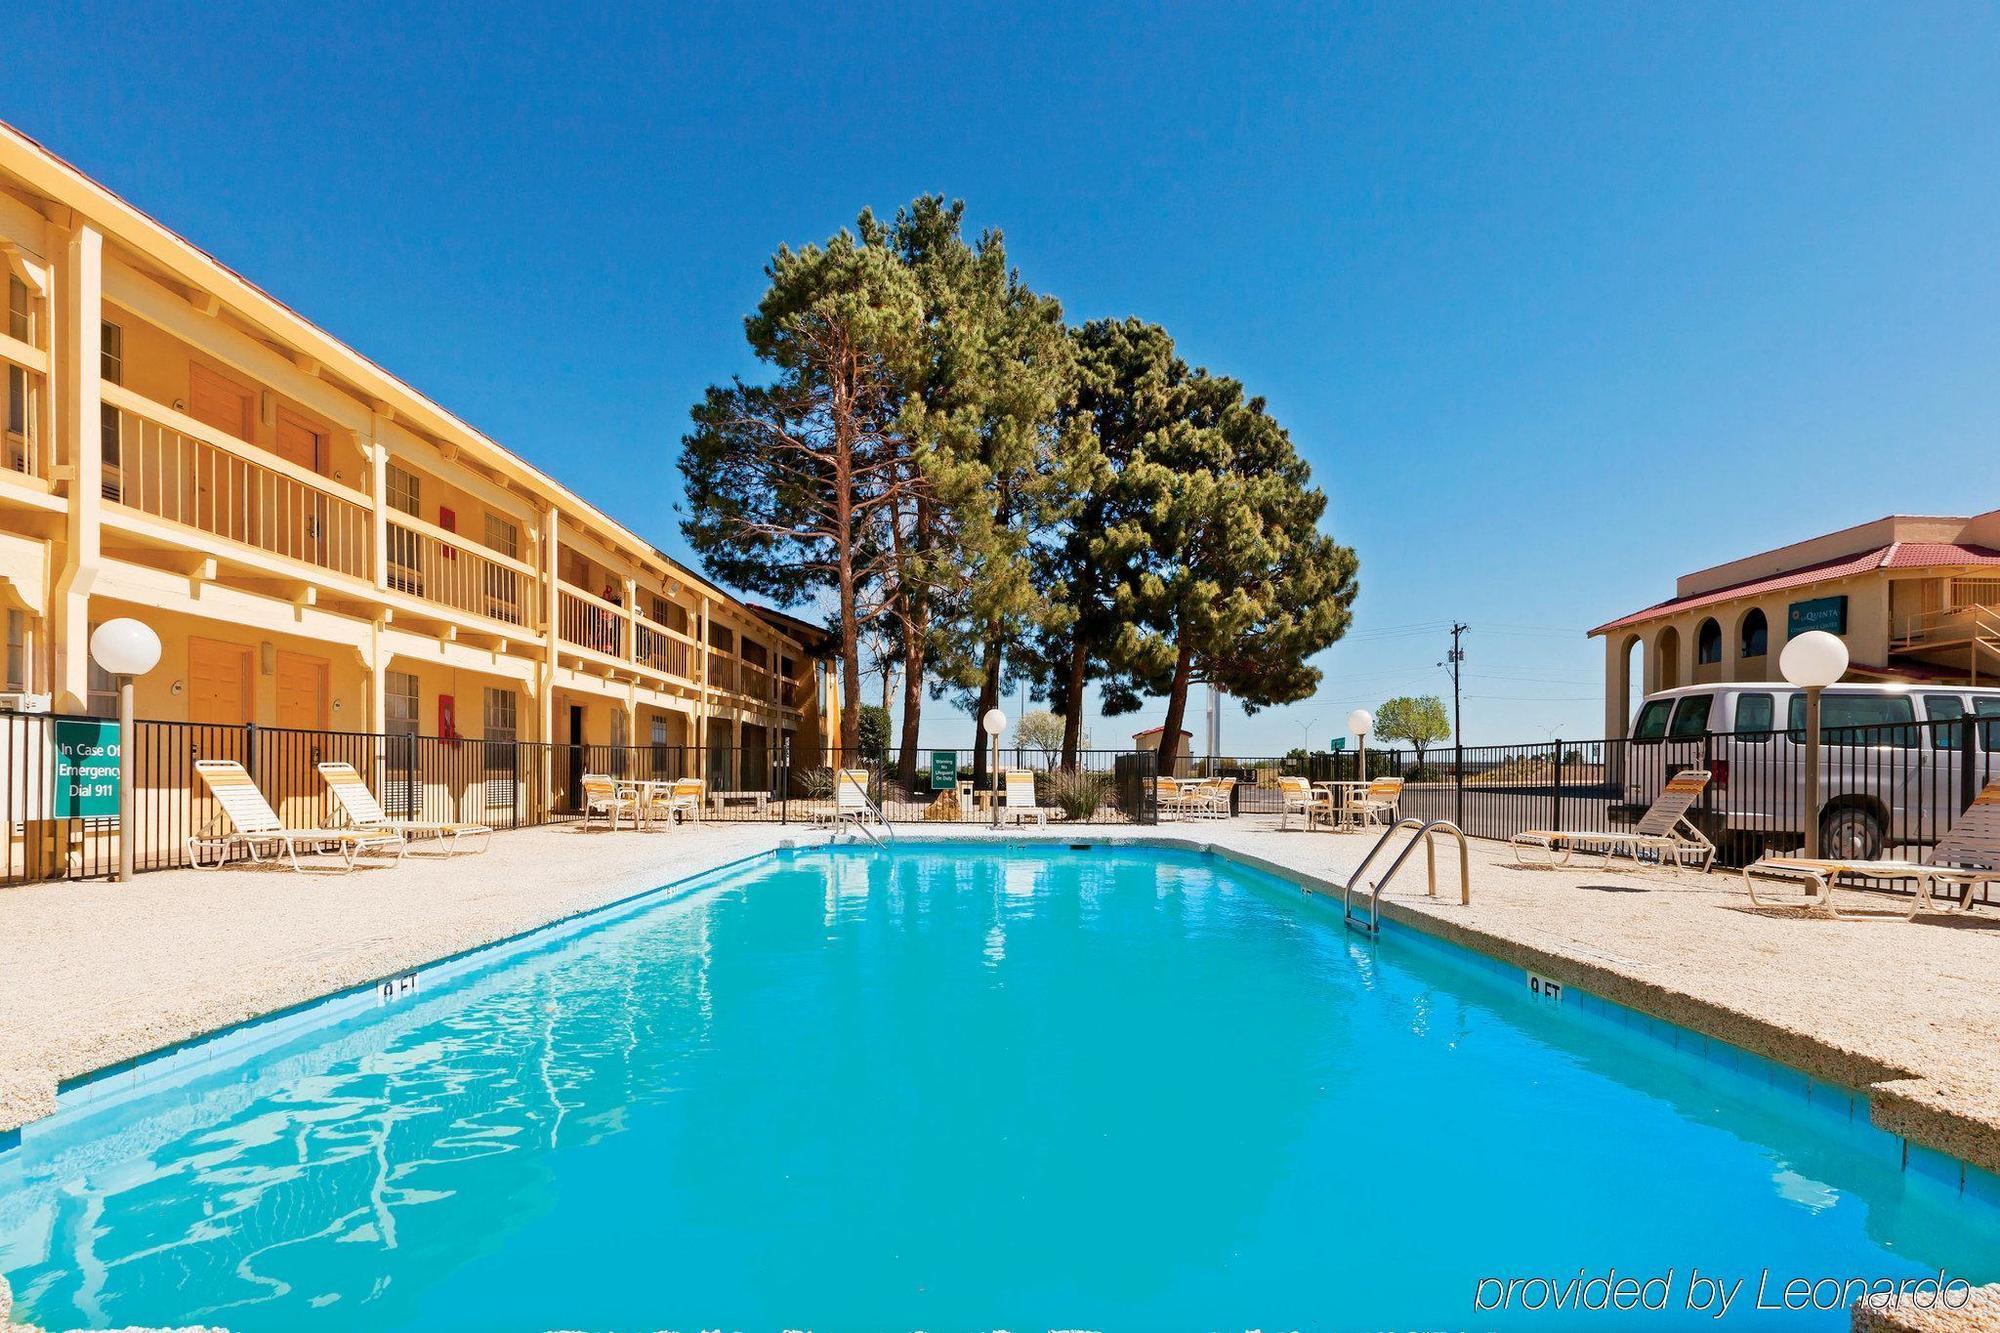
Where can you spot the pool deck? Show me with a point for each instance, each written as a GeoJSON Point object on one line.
{"type": "Point", "coordinates": [97, 973]}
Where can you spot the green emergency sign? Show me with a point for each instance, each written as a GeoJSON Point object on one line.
{"type": "Point", "coordinates": [86, 776]}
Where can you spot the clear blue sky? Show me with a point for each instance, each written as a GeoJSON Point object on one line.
{"type": "Point", "coordinates": [1558, 301]}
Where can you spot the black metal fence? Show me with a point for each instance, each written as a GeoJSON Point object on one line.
{"type": "Point", "coordinates": [500, 783]}
{"type": "Point", "coordinates": [1892, 789]}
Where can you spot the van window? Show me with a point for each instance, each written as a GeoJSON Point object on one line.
{"type": "Point", "coordinates": [1652, 723]}
{"type": "Point", "coordinates": [1754, 717]}
{"type": "Point", "coordinates": [1857, 719]}
{"type": "Point", "coordinates": [1989, 732]}
{"type": "Point", "coordinates": [1690, 717]}
{"type": "Point", "coordinates": [1944, 709]}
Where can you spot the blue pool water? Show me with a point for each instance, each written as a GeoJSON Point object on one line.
{"type": "Point", "coordinates": [960, 1088]}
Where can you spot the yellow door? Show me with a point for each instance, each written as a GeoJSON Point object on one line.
{"type": "Point", "coordinates": [302, 691]}
{"type": "Point", "coordinates": [302, 522]}
{"type": "Point", "coordinates": [218, 682]}
{"type": "Point", "coordinates": [226, 500]}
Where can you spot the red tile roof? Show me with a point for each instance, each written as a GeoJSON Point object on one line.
{"type": "Point", "coordinates": [1896, 555]}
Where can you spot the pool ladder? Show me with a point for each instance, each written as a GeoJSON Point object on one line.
{"type": "Point", "coordinates": [1427, 830]}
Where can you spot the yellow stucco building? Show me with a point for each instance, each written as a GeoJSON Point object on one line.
{"type": "Point", "coordinates": [1915, 598]}
{"type": "Point", "coordinates": [318, 544]}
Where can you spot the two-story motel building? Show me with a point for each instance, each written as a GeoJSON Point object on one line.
{"type": "Point", "coordinates": [1915, 599]}
{"type": "Point", "coordinates": [319, 545]}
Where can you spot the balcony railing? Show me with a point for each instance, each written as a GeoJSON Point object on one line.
{"type": "Point", "coordinates": [721, 672]}
{"type": "Point", "coordinates": [662, 651]}
{"type": "Point", "coordinates": [439, 566]}
{"type": "Point", "coordinates": [754, 681]}
{"type": "Point", "coordinates": [23, 369]}
{"type": "Point", "coordinates": [174, 468]}
{"type": "Point", "coordinates": [591, 622]}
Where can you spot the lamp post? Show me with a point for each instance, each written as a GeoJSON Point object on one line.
{"type": "Point", "coordinates": [993, 724]}
{"type": "Point", "coordinates": [1813, 661]}
{"type": "Point", "coordinates": [1361, 722]}
{"type": "Point", "coordinates": [125, 648]}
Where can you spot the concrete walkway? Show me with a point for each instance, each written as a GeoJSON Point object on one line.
{"type": "Point", "coordinates": [97, 973]}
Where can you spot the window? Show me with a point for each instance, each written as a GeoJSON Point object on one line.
{"type": "Point", "coordinates": [403, 494]}
{"type": "Point", "coordinates": [1942, 710]}
{"type": "Point", "coordinates": [1690, 717]}
{"type": "Point", "coordinates": [1754, 717]}
{"type": "Point", "coordinates": [20, 312]}
{"type": "Point", "coordinates": [1857, 719]}
{"type": "Point", "coordinates": [1753, 636]}
{"type": "Point", "coordinates": [500, 720]}
{"type": "Point", "coordinates": [1652, 723]}
{"type": "Point", "coordinates": [399, 702]}
{"type": "Point", "coordinates": [102, 700]}
{"type": "Point", "coordinates": [17, 652]}
{"type": "Point", "coordinates": [1708, 642]}
{"type": "Point", "coordinates": [503, 585]}
{"type": "Point", "coordinates": [1989, 732]}
{"type": "Point", "coordinates": [111, 352]}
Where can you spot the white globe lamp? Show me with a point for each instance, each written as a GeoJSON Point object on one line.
{"type": "Point", "coordinates": [993, 724]}
{"type": "Point", "coordinates": [1360, 722]}
{"type": "Point", "coordinates": [1813, 661]}
{"type": "Point", "coordinates": [125, 648]}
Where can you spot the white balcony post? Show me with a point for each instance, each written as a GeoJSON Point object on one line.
{"type": "Point", "coordinates": [78, 367]}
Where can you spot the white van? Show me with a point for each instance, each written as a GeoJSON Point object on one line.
{"type": "Point", "coordinates": [1893, 768]}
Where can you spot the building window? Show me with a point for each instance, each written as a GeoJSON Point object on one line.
{"type": "Point", "coordinates": [17, 652]}
{"type": "Point", "coordinates": [1754, 639]}
{"type": "Point", "coordinates": [404, 491]}
{"type": "Point", "coordinates": [111, 352]}
{"type": "Point", "coordinates": [20, 312]}
{"type": "Point", "coordinates": [1708, 643]}
{"type": "Point", "coordinates": [399, 702]}
{"type": "Point", "coordinates": [501, 718]}
{"type": "Point", "coordinates": [404, 494]}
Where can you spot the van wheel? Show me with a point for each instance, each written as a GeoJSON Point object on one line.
{"type": "Point", "coordinates": [1850, 833]}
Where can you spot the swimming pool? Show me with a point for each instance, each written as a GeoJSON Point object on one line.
{"type": "Point", "coordinates": [961, 1086]}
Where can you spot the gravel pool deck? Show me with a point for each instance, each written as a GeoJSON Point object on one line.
{"type": "Point", "coordinates": [93, 973]}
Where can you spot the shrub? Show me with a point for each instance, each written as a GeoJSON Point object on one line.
{"type": "Point", "coordinates": [1074, 793]}
{"type": "Point", "coordinates": [816, 783]}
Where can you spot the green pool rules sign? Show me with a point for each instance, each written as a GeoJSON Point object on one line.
{"type": "Point", "coordinates": [944, 769]}
{"type": "Point", "coordinates": [86, 778]}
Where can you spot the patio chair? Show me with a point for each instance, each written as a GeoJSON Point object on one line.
{"type": "Point", "coordinates": [604, 795]}
{"type": "Point", "coordinates": [1664, 833]}
{"type": "Point", "coordinates": [1212, 798]}
{"type": "Point", "coordinates": [1964, 858]}
{"type": "Point", "coordinates": [1020, 806]}
{"type": "Point", "coordinates": [683, 798]}
{"type": "Point", "coordinates": [364, 812]}
{"type": "Point", "coordinates": [850, 801]}
{"type": "Point", "coordinates": [1297, 794]}
{"type": "Point", "coordinates": [1174, 798]}
{"type": "Point", "coordinates": [253, 824]}
{"type": "Point", "coordinates": [1375, 803]}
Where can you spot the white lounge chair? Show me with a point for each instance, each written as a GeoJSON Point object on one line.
{"type": "Point", "coordinates": [1020, 806]}
{"type": "Point", "coordinates": [254, 825]}
{"type": "Point", "coordinates": [1175, 797]}
{"type": "Point", "coordinates": [364, 812]}
{"type": "Point", "coordinates": [1965, 858]}
{"type": "Point", "coordinates": [604, 796]}
{"type": "Point", "coordinates": [1211, 799]}
{"type": "Point", "coordinates": [1663, 833]}
{"type": "Point", "coordinates": [1297, 794]}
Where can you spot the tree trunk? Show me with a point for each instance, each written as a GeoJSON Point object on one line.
{"type": "Point", "coordinates": [1170, 735]}
{"type": "Point", "coordinates": [1079, 662]}
{"type": "Point", "coordinates": [913, 704]}
{"type": "Point", "coordinates": [989, 698]}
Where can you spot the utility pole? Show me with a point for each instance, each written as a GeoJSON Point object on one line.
{"type": "Point", "coordinates": [1457, 730]}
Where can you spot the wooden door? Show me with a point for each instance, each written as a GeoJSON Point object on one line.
{"type": "Point", "coordinates": [302, 691]}
{"type": "Point", "coordinates": [289, 766]}
{"type": "Point", "coordinates": [302, 522]}
{"type": "Point", "coordinates": [224, 493]}
{"type": "Point", "coordinates": [218, 682]}
{"type": "Point", "coordinates": [216, 400]}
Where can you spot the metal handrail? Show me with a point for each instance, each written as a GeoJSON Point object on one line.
{"type": "Point", "coordinates": [1426, 830]}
